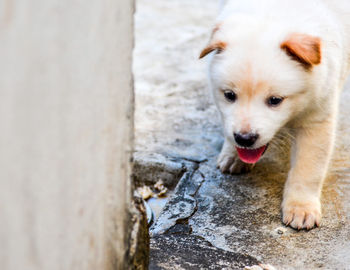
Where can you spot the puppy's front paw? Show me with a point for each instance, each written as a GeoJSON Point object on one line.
{"type": "Point", "coordinates": [301, 215]}
{"type": "Point", "coordinates": [230, 163]}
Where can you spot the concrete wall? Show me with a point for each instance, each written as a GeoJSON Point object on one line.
{"type": "Point", "coordinates": [66, 133]}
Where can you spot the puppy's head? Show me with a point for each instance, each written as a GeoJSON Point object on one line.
{"type": "Point", "coordinates": [261, 79]}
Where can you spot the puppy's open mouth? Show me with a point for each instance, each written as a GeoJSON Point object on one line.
{"type": "Point", "coordinates": [251, 156]}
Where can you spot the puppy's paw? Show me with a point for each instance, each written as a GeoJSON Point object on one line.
{"type": "Point", "coordinates": [230, 163]}
{"type": "Point", "coordinates": [302, 215]}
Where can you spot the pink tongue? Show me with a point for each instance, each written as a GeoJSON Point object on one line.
{"type": "Point", "coordinates": [250, 155]}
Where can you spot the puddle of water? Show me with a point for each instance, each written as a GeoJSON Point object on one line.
{"type": "Point", "coordinates": [157, 205]}
{"type": "Point", "coordinates": [154, 207]}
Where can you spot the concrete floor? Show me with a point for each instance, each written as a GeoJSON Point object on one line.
{"type": "Point", "coordinates": [216, 221]}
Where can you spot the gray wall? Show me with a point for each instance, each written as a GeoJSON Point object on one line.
{"type": "Point", "coordinates": [66, 133]}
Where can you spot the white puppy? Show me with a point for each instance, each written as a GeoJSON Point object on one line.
{"type": "Point", "coordinates": [275, 64]}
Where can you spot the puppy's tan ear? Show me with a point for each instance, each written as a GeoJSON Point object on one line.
{"type": "Point", "coordinates": [214, 44]}
{"type": "Point", "coordinates": [303, 48]}
{"type": "Point", "coordinates": [218, 45]}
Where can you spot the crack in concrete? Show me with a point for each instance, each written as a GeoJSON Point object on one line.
{"type": "Point", "coordinates": [185, 220]}
{"type": "Point", "coordinates": [195, 161]}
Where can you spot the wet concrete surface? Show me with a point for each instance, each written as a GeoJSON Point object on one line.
{"type": "Point", "coordinates": [241, 214]}
{"type": "Point", "coordinates": [216, 221]}
{"type": "Point", "coordinates": [193, 253]}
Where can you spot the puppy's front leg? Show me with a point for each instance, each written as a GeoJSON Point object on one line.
{"type": "Point", "coordinates": [312, 151]}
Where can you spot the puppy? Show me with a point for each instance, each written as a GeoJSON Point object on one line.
{"type": "Point", "coordinates": [276, 64]}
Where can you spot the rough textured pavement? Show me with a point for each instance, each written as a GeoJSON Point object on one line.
{"type": "Point", "coordinates": [216, 221]}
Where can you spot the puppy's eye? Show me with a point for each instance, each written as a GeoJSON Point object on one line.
{"type": "Point", "coordinates": [274, 101]}
{"type": "Point", "coordinates": [230, 95]}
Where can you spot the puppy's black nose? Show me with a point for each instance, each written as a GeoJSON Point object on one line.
{"type": "Point", "coordinates": [245, 139]}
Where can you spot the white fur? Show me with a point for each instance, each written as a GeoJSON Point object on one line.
{"type": "Point", "coordinates": [254, 31]}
